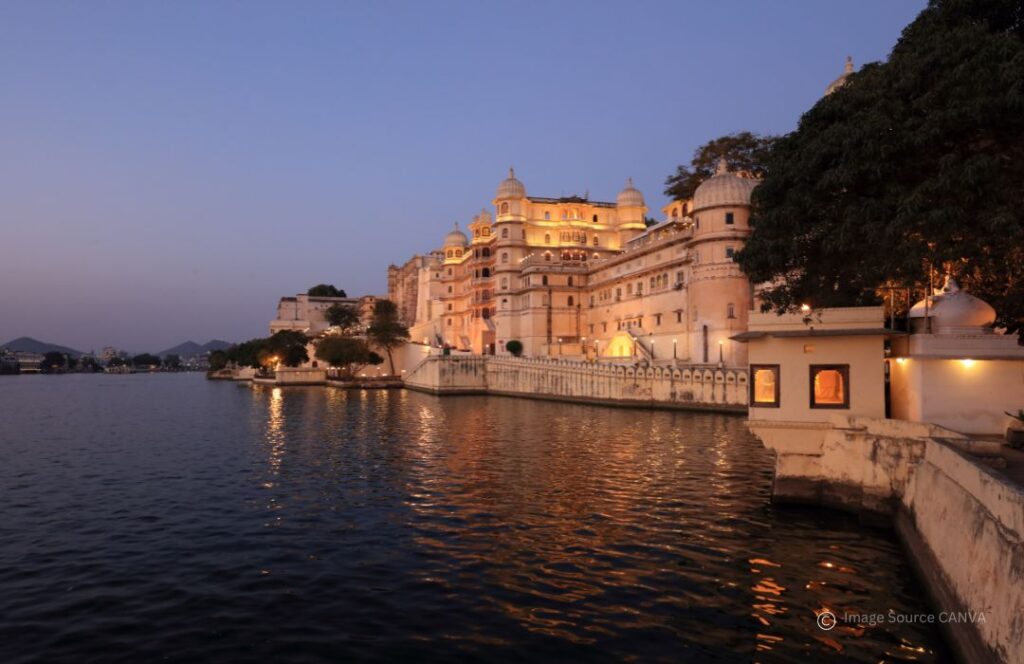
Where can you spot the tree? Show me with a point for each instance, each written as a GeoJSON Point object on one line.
{"type": "Point", "coordinates": [386, 331]}
{"type": "Point", "coordinates": [172, 362]}
{"type": "Point", "coordinates": [285, 346]}
{"type": "Point", "coordinates": [343, 316]}
{"type": "Point", "coordinates": [325, 290]}
{"type": "Point", "coordinates": [914, 166]}
{"type": "Point", "coordinates": [145, 360]}
{"type": "Point", "coordinates": [744, 151]}
{"type": "Point", "coordinates": [116, 361]}
{"type": "Point", "coordinates": [247, 353]}
{"type": "Point", "coordinates": [53, 361]}
{"type": "Point", "coordinates": [347, 353]}
{"type": "Point", "coordinates": [514, 346]}
{"type": "Point", "coordinates": [217, 360]}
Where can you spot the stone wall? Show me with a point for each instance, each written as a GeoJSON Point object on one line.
{"type": "Point", "coordinates": [689, 386]}
{"type": "Point", "coordinates": [962, 523]}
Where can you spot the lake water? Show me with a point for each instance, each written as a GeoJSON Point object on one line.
{"type": "Point", "coordinates": [166, 517]}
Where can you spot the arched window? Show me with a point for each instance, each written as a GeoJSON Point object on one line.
{"type": "Point", "coordinates": [504, 232]}
{"type": "Point", "coordinates": [486, 272]}
{"type": "Point", "coordinates": [449, 289]}
{"type": "Point", "coordinates": [596, 241]}
{"type": "Point", "coordinates": [449, 322]}
{"type": "Point", "coordinates": [547, 215]}
{"type": "Point", "coordinates": [595, 219]}
{"type": "Point", "coordinates": [731, 311]}
{"type": "Point", "coordinates": [565, 215]}
{"type": "Point", "coordinates": [547, 238]}
{"type": "Point", "coordinates": [544, 280]}
{"type": "Point", "coordinates": [504, 208]}
{"type": "Point", "coordinates": [486, 313]}
{"type": "Point", "coordinates": [504, 282]}
{"type": "Point", "coordinates": [547, 256]}
{"type": "Point", "coordinates": [570, 281]}
{"type": "Point", "coordinates": [487, 231]}
{"type": "Point", "coordinates": [450, 253]}
{"type": "Point", "coordinates": [449, 272]}
{"type": "Point", "coordinates": [571, 302]}
{"type": "Point", "coordinates": [504, 257]}
{"type": "Point", "coordinates": [486, 295]}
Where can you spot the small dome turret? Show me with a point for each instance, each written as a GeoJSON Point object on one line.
{"type": "Point", "coordinates": [841, 81]}
{"type": "Point", "coordinates": [723, 188]}
{"type": "Point", "coordinates": [630, 196]}
{"type": "Point", "coordinates": [951, 309]}
{"type": "Point", "coordinates": [510, 187]}
{"type": "Point", "coordinates": [456, 238]}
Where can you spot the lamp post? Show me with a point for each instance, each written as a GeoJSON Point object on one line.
{"type": "Point", "coordinates": [674, 356]}
{"type": "Point", "coordinates": [583, 347]}
{"type": "Point", "coordinates": [652, 349]}
{"type": "Point", "coordinates": [720, 361]}
{"type": "Point", "coordinates": [559, 345]}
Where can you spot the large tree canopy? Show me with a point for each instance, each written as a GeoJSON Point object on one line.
{"type": "Point", "coordinates": [744, 151]}
{"type": "Point", "coordinates": [326, 290]}
{"type": "Point", "coordinates": [914, 165]}
{"type": "Point", "coordinates": [385, 330]}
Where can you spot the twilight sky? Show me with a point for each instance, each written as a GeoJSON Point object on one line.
{"type": "Point", "coordinates": [169, 170]}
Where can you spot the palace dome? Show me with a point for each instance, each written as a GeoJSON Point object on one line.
{"type": "Point", "coordinates": [510, 187]}
{"type": "Point", "coordinates": [484, 217]}
{"type": "Point", "coordinates": [456, 238]}
{"type": "Point", "coordinates": [841, 81]}
{"type": "Point", "coordinates": [723, 188]}
{"type": "Point", "coordinates": [951, 307]}
{"type": "Point", "coordinates": [630, 196]}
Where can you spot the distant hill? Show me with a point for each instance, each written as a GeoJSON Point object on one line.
{"type": "Point", "coordinates": [30, 345]}
{"type": "Point", "coordinates": [190, 348]}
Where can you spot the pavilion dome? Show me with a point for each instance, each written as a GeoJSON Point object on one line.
{"type": "Point", "coordinates": [951, 307]}
{"type": "Point", "coordinates": [841, 81]}
{"type": "Point", "coordinates": [510, 187]}
{"type": "Point", "coordinates": [456, 238]}
{"type": "Point", "coordinates": [630, 196]}
{"type": "Point", "coordinates": [723, 188]}
{"type": "Point", "coordinates": [484, 217]}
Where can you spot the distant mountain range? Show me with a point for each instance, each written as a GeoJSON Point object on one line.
{"type": "Point", "coordinates": [30, 345]}
{"type": "Point", "coordinates": [187, 349]}
{"type": "Point", "coordinates": [190, 348]}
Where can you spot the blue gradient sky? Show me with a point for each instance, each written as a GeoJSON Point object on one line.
{"type": "Point", "coordinates": [168, 170]}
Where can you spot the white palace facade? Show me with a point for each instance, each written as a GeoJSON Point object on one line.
{"type": "Point", "coordinates": [581, 278]}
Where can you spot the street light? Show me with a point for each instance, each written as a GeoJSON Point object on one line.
{"type": "Point", "coordinates": [674, 342]}
{"type": "Point", "coordinates": [559, 345]}
{"type": "Point", "coordinates": [720, 345]}
{"type": "Point", "coordinates": [652, 348]}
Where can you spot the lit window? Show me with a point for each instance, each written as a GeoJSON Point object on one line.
{"type": "Point", "coordinates": [764, 385]}
{"type": "Point", "coordinates": [830, 385]}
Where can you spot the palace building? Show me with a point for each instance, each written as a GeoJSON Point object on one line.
{"type": "Point", "coordinates": [576, 277]}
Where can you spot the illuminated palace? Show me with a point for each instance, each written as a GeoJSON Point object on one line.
{"type": "Point", "coordinates": [572, 276]}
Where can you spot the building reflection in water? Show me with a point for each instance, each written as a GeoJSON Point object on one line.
{"type": "Point", "coordinates": [577, 524]}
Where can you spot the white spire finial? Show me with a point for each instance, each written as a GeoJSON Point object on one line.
{"type": "Point", "coordinates": [849, 64]}
{"type": "Point", "coordinates": [723, 166]}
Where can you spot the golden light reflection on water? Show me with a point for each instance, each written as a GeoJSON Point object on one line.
{"type": "Point", "coordinates": [275, 434]}
{"type": "Point", "coordinates": [576, 523]}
